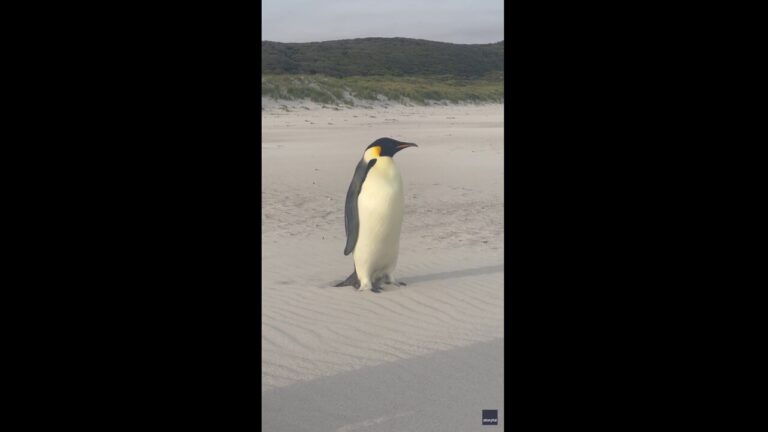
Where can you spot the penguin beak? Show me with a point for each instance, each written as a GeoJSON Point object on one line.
{"type": "Point", "coordinates": [405, 145]}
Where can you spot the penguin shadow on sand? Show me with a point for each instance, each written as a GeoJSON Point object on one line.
{"type": "Point", "coordinates": [411, 281]}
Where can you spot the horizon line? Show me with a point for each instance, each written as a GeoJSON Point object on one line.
{"type": "Point", "coordinates": [387, 37]}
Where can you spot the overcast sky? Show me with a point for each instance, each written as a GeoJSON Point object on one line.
{"type": "Point", "coordinates": [456, 21]}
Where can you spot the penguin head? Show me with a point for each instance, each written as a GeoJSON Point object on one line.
{"type": "Point", "coordinates": [385, 147]}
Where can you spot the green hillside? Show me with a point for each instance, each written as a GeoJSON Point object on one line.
{"type": "Point", "coordinates": [383, 57]}
{"type": "Point", "coordinates": [396, 68]}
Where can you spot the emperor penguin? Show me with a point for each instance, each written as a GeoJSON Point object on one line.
{"type": "Point", "coordinates": [373, 215]}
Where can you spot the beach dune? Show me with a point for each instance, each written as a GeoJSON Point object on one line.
{"type": "Point", "coordinates": [424, 357]}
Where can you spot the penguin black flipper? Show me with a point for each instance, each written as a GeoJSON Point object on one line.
{"type": "Point", "coordinates": [351, 221]}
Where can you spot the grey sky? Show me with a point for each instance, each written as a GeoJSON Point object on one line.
{"type": "Point", "coordinates": [456, 21]}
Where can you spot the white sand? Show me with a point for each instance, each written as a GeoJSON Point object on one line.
{"type": "Point", "coordinates": [424, 357]}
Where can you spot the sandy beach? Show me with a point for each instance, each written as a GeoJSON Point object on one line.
{"type": "Point", "coordinates": [423, 357]}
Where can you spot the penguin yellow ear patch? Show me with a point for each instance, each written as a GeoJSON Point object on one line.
{"type": "Point", "coordinates": [373, 152]}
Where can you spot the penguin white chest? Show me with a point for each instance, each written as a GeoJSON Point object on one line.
{"type": "Point", "coordinates": [380, 209]}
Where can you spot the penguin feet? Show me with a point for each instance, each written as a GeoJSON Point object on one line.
{"type": "Point", "coordinates": [370, 286]}
{"type": "Point", "coordinates": [375, 289]}
{"type": "Point", "coordinates": [365, 285]}
{"type": "Point", "coordinates": [390, 280]}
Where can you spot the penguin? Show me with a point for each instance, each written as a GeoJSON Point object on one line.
{"type": "Point", "coordinates": [373, 215]}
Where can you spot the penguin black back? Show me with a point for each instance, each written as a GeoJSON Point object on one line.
{"type": "Point", "coordinates": [351, 221]}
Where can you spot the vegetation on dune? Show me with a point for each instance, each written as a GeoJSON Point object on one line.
{"type": "Point", "coordinates": [419, 90]}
